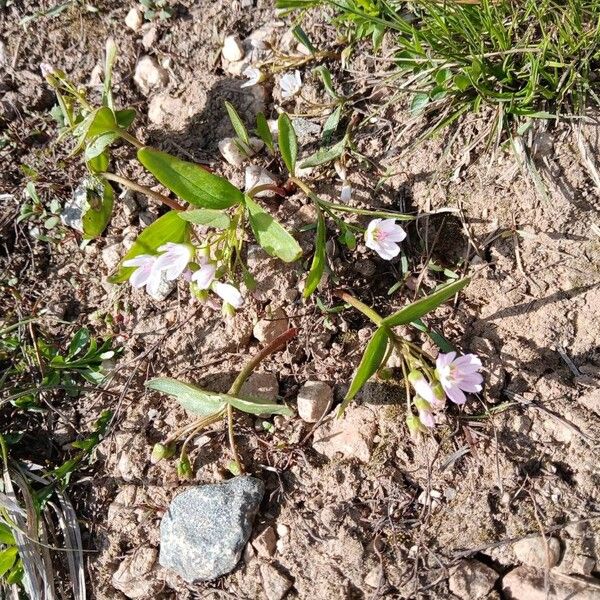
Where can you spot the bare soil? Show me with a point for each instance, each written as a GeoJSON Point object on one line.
{"type": "Point", "coordinates": [521, 459]}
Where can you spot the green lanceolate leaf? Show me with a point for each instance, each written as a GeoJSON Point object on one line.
{"type": "Point", "coordinates": [371, 361]}
{"type": "Point", "coordinates": [168, 228]}
{"type": "Point", "coordinates": [207, 216]}
{"type": "Point", "coordinates": [288, 143]}
{"type": "Point", "coordinates": [205, 403]}
{"type": "Point", "coordinates": [301, 36]}
{"type": "Point", "coordinates": [327, 80]}
{"type": "Point", "coordinates": [325, 155]}
{"type": "Point", "coordinates": [318, 262]}
{"type": "Point", "coordinates": [258, 407]}
{"type": "Point", "coordinates": [331, 125]}
{"type": "Point", "coordinates": [271, 235]}
{"type": "Point", "coordinates": [417, 309]}
{"type": "Point", "coordinates": [238, 124]}
{"type": "Point", "coordinates": [100, 198]}
{"type": "Point", "coordinates": [189, 181]}
{"type": "Point", "coordinates": [264, 133]}
{"type": "Point", "coordinates": [192, 398]}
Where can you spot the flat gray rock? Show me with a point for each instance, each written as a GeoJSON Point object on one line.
{"type": "Point", "coordinates": [204, 532]}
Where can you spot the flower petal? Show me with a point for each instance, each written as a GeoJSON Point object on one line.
{"type": "Point", "coordinates": [387, 250]}
{"type": "Point", "coordinates": [228, 293]}
{"type": "Point", "coordinates": [455, 394]}
{"type": "Point", "coordinates": [204, 276]}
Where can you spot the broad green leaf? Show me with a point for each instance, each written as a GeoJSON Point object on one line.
{"type": "Point", "coordinates": [288, 143]}
{"type": "Point", "coordinates": [102, 122]}
{"type": "Point", "coordinates": [258, 407]}
{"type": "Point", "coordinates": [371, 361]}
{"type": "Point", "coordinates": [99, 144]}
{"type": "Point", "coordinates": [189, 181]}
{"type": "Point", "coordinates": [99, 164]}
{"type": "Point", "coordinates": [417, 309]}
{"type": "Point", "coordinates": [238, 124]}
{"type": "Point", "coordinates": [8, 556]}
{"type": "Point", "coordinates": [318, 262]}
{"type": "Point", "coordinates": [192, 398]}
{"type": "Point", "coordinates": [325, 155]}
{"type": "Point", "coordinates": [264, 133]}
{"type": "Point", "coordinates": [331, 125]}
{"type": "Point", "coordinates": [271, 235]}
{"type": "Point", "coordinates": [100, 198]}
{"type": "Point", "coordinates": [168, 228]}
{"type": "Point", "coordinates": [125, 117]}
{"type": "Point", "coordinates": [207, 216]}
{"type": "Point", "coordinates": [15, 575]}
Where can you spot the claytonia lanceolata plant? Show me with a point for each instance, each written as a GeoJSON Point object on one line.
{"type": "Point", "coordinates": [212, 407]}
{"type": "Point", "coordinates": [428, 382]}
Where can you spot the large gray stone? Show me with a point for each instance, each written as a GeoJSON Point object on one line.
{"type": "Point", "coordinates": [204, 532]}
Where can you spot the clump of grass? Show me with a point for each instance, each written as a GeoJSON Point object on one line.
{"type": "Point", "coordinates": [523, 58]}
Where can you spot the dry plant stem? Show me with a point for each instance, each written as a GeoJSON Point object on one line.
{"type": "Point", "coordinates": [142, 189]}
{"type": "Point", "coordinates": [235, 388]}
{"type": "Point", "coordinates": [351, 209]}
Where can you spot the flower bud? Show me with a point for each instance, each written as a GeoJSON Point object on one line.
{"type": "Point", "coordinates": [414, 425]}
{"type": "Point", "coordinates": [421, 404]}
{"type": "Point", "coordinates": [234, 468]}
{"type": "Point", "coordinates": [184, 468]}
{"type": "Point", "coordinates": [161, 451]}
{"type": "Point", "coordinates": [228, 310]}
{"type": "Point", "coordinates": [415, 376]}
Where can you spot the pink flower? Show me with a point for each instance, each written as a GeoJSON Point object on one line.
{"type": "Point", "coordinates": [425, 390]}
{"type": "Point", "coordinates": [174, 260]}
{"type": "Point", "coordinates": [459, 375]}
{"type": "Point", "coordinates": [204, 278]}
{"type": "Point", "coordinates": [383, 235]}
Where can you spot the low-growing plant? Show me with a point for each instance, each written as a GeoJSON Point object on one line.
{"type": "Point", "coordinates": [213, 407]}
{"type": "Point", "coordinates": [529, 59]}
{"type": "Point", "coordinates": [32, 365]}
{"type": "Point", "coordinates": [171, 247]}
{"type": "Point", "coordinates": [432, 381]}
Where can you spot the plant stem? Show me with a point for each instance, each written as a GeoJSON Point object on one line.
{"type": "Point", "coordinates": [236, 386]}
{"type": "Point", "coordinates": [363, 308]}
{"type": "Point", "coordinates": [144, 190]}
{"type": "Point", "coordinates": [324, 204]}
{"type": "Point", "coordinates": [131, 139]}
